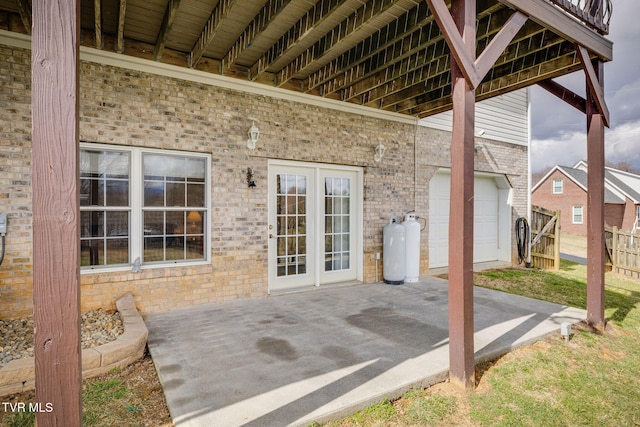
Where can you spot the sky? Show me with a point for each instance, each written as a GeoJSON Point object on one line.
{"type": "Point", "coordinates": [558, 131]}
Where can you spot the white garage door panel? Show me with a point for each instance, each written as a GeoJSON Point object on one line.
{"type": "Point", "coordinates": [485, 223]}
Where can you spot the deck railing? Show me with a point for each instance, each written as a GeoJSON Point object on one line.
{"type": "Point", "coordinates": [594, 13]}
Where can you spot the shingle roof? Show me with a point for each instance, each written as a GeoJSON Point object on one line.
{"type": "Point", "coordinates": [580, 177]}
{"type": "Point", "coordinates": [627, 189]}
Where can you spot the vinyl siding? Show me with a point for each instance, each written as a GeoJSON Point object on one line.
{"type": "Point", "coordinates": [503, 118]}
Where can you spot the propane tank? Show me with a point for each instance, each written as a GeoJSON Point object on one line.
{"type": "Point", "coordinates": [394, 249]}
{"type": "Point", "coordinates": [412, 255]}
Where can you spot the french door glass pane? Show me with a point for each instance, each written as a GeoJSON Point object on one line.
{"type": "Point", "coordinates": [291, 229]}
{"type": "Point", "coordinates": [337, 217]}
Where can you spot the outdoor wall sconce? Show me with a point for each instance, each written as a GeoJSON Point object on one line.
{"type": "Point", "coordinates": [380, 149]}
{"type": "Point", "coordinates": [253, 133]}
{"type": "Point", "coordinates": [250, 182]}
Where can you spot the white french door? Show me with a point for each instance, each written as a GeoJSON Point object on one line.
{"type": "Point", "coordinates": [315, 216]}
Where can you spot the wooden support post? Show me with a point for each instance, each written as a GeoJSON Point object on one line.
{"type": "Point", "coordinates": [595, 205]}
{"type": "Point", "coordinates": [461, 348]}
{"type": "Point", "coordinates": [56, 274]}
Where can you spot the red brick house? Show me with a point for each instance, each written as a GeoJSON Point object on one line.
{"type": "Point", "coordinates": [565, 189]}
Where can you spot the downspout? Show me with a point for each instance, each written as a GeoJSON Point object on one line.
{"type": "Point", "coordinates": [529, 172]}
{"type": "Point", "coordinates": [415, 166]}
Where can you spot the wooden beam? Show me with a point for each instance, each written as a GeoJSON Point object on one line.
{"type": "Point", "coordinates": [499, 43]}
{"type": "Point", "coordinates": [56, 246]}
{"type": "Point", "coordinates": [461, 324]}
{"type": "Point", "coordinates": [455, 41]}
{"type": "Point", "coordinates": [557, 20]}
{"type": "Point", "coordinates": [167, 21]}
{"type": "Point", "coordinates": [595, 205]}
{"type": "Point", "coordinates": [97, 12]}
{"type": "Point", "coordinates": [571, 98]}
{"type": "Point", "coordinates": [211, 28]}
{"type": "Point", "coordinates": [24, 9]}
{"type": "Point", "coordinates": [122, 12]}
{"type": "Point", "coordinates": [594, 86]}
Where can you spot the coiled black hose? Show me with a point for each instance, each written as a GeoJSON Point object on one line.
{"type": "Point", "coordinates": [2, 254]}
{"type": "Point", "coordinates": [522, 240]}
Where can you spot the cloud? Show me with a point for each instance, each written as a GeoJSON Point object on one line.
{"type": "Point", "coordinates": [568, 148]}
{"type": "Point", "coordinates": [559, 131]}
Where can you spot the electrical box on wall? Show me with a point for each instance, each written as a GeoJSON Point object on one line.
{"type": "Point", "coordinates": [3, 223]}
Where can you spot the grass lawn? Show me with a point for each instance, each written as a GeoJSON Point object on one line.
{"type": "Point", "coordinates": [593, 380]}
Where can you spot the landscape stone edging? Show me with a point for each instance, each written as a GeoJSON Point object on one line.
{"type": "Point", "coordinates": [19, 375]}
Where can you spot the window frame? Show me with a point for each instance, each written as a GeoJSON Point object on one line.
{"type": "Point", "coordinates": [555, 188]}
{"type": "Point", "coordinates": [137, 209]}
{"type": "Point", "coordinates": [573, 214]}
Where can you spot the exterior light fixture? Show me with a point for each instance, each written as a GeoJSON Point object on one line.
{"type": "Point", "coordinates": [253, 133]}
{"type": "Point", "coordinates": [380, 149]}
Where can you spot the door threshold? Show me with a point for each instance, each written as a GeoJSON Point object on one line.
{"type": "Point", "coordinates": [310, 288]}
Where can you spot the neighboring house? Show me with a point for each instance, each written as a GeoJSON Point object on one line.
{"type": "Point", "coordinates": [565, 189]}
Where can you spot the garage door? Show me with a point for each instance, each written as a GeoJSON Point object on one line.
{"type": "Point", "coordinates": [486, 220]}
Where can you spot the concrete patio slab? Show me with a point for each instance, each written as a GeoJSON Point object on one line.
{"type": "Point", "coordinates": [292, 359]}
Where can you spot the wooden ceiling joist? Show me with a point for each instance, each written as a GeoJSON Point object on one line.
{"type": "Point", "coordinates": [408, 54]}
{"type": "Point", "coordinates": [24, 9]}
{"type": "Point", "coordinates": [393, 36]}
{"type": "Point", "coordinates": [439, 102]}
{"type": "Point", "coordinates": [122, 13]}
{"type": "Point", "coordinates": [335, 38]}
{"type": "Point", "coordinates": [296, 34]}
{"type": "Point", "coordinates": [211, 28]}
{"type": "Point", "coordinates": [267, 15]}
{"type": "Point", "coordinates": [167, 21]}
{"type": "Point", "coordinates": [97, 11]}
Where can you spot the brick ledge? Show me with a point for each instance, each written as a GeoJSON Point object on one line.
{"type": "Point", "coordinates": [19, 375]}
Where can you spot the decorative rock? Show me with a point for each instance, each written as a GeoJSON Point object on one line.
{"type": "Point", "coordinates": [97, 327]}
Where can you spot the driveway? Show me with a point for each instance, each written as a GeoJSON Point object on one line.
{"type": "Point", "coordinates": [322, 354]}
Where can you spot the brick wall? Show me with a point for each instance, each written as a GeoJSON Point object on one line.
{"type": "Point", "coordinates": [572, 195]}
{"type": "Point", "coordinates": [618, 215]}
{"type": "Point", "coordinates": [132, 108]}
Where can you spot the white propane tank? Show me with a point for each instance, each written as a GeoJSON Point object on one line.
{"type": "Point", "coordinates": [412, 238]}
{"type": "Point", "coordinates": [394, 250]}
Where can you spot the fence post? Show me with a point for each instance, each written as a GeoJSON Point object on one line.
{"type": "Point", "coordinates": [614, 255]}
{"type": "Point", "coordinates": [556, 241]}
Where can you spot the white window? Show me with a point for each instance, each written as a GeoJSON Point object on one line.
{"type": "Point", "coordinates": [577, 215]}
{"type": "Point", "coordinates": [557, 186]}
{"type": "Point", "coordinates": [638, 213]}
{"type": "Point", "coordinates": [140, 203]}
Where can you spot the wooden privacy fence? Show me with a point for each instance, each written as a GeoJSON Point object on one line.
{"type": "Point", "coordinates": [545, 238]}
{"type": "Point", "coordinates": [623, 249]}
